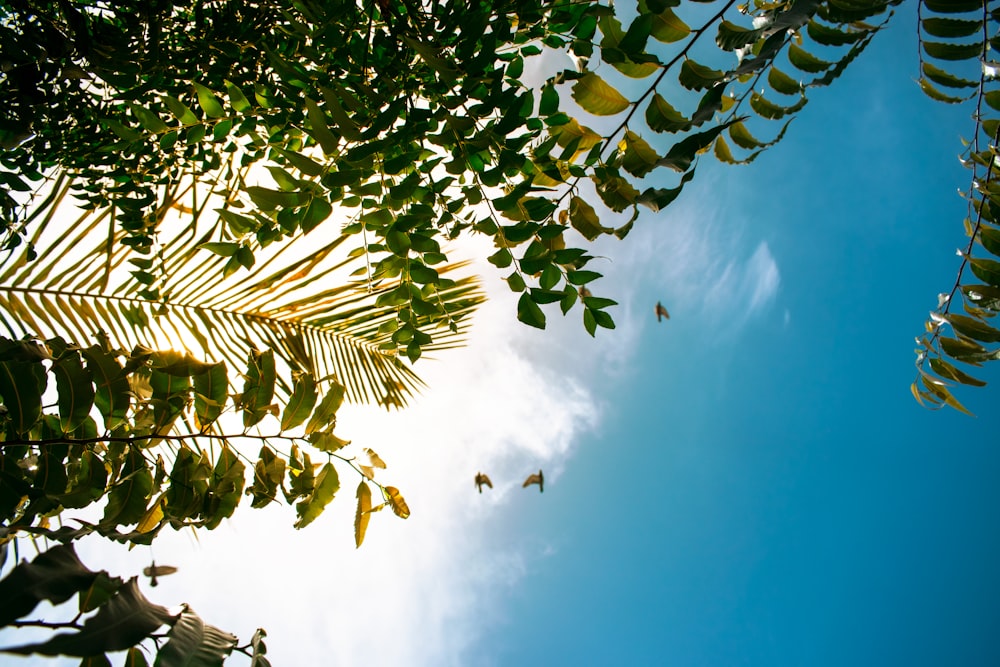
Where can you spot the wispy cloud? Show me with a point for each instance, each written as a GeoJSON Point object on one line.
{"type": "Point", "coordinates": [700, 262]}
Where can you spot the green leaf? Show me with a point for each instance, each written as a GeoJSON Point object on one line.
{"type": "Point", "coordinates": [221, 248]}
{"type": "Point", "coordinates": [662, 117]}
{"type": "Point", "coordinates": [319, 130]}
{"type": "Point", "coordinates": [946, 370]}
{"type": "Point", "coordinates": [149, 120]}
{"type": "Point", "coordinates": [188, 484]}
{"type": "Point", "coordinates": [300, 404]}
{"type": "Point", "coordinates": [210, 395]}
{"type": "Point", "coordinates": [695, 76]}
{"type": "Point", "coordinates": [258, 390]}
{"type": "Point", "coordinates": [208, 102]}
{"type": "Point", "coordinates": [990, 239]}
{"type": "Point", "coordinates": [75, 388]}
{"type": "Point", "coordinates": [55, 575]}
{"type": "Point", "coordinates": [237, 99]}
{"type": "Point", "coordinates": [953, 6]}
{"type": "Point", "coordinates": [180, 111]}
{"type": "Point", "coordinates": [192, 643]}
{"type": "Point", "coordinates": [318, 210]}
{"type": "Point", "coordinates": [326, 412]}
{"type": "Point", "coordinates": [806, 61]}
{"type": "Point", "coordinates": [225, 488]}
{"type": "Point", "coordinates": [584, 219]}
{"type": "Point", "coordinates": [948, 28]}
{"type": "Point", "coordinates": [986, 270]}
{"type": "Point", "coordinates": [303, 163]}
{"type": "Point", "coordinates": [594, 95]}
{"type": "Point", "coordinates": [633, 43]}
{"type": "Point", "coordinates": [682, 154]}
{"type": "Point", "coordinates": [529, 312]}
{"type": "Point", "coordinates": [327, 484]}
{"type": "Point", "coordinates": [667, 28]}
{"type": "Point", "coordinates": [950, 51]}
{"type": "Point", "coordinates": [992, 98]}
{"type": "Point", "coordinates": [973, 328]}
{"type": "Point", "coordinates": [782, 83]}
{"type": "Point", "coordinates": [638, 157]}
{"type": "Point", "coordinates": [268, 475]}
{"type": "Point", "coordinates": [128, 497]}
{"type": "Point", "coordinates": [770, 110]}
{"type": "Point", "coordinates": [829, 36]}
{"type": "Point", "coordinates": [348, 128]}
{"type": "Point", "coordinates": [270, 200]}
{"type": "Point", "coordinates": [731, 36]}
{"type": "Point", "coordinates": [940, 76]}
{"type": "Point", "coordinates": [127, 619]}
{"type": "Point", "coordinates": [22, 384]}
{"type": "Point", "coordinates": [112, 395]}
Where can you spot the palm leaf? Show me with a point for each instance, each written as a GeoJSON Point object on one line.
{"type": "Point", "coordinates": [298, 298]}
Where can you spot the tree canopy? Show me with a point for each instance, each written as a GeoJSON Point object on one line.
{"type": "Point", "coordinates": [269, 188]}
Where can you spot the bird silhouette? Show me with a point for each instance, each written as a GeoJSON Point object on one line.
{"type": "Point", "coordinates": [538, 479]}
{"type": "Point", "coordinates": [154, 571]}
{"type": "Point", "coordinates": [661, 312]}
{"type": "Point", "coordinates": [482, 479]}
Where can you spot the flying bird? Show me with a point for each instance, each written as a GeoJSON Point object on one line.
{"type": "Point", "coordinates": [661, 312]}
{"type": "Point", "coordinates": [482, 479]}
{"type": "Point", "coordinates": [538, 479]}
{"type": "Point", "coordinates": [154, 571]}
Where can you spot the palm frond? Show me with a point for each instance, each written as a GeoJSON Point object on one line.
{"type": "Point", "coordinates": [298, 298]}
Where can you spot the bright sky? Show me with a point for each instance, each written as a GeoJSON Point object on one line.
{"type": "Point", "coordinates": [750, 483]}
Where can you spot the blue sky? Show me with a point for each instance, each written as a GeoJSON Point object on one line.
{"type": "Point", "coordinates": [750, 483]}
{"type": "Point", "coordinates": [762, 489]}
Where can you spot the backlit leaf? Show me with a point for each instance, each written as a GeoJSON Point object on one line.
{"type": "Point", "coordinates": [668, 28]}
{"type": "Point", "coordinates": [695, 76]}
{"type": "Point", "coordinates": [208, 102]}
{"type": "Point", "coordinates": [397, 503]}
{"type": "Point", "coordinates": [301, 403]}
{"type": "Point", "coordinates": [326, 412]}
{"type": "Point", "coordinates": [192, 643]}
{"type": "Point", "coordinates": [594, 95]}
{"type": "Point", "coordinates": [75, 389]}
{"type": "Point", "coordinates": [363, 513]}
{"type": "Point", "coordinates": [327, 484]}
{"type": "Point", "coordinates": [22, 384]}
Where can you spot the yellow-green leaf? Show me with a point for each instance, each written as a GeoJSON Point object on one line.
{"type": "Point", "coordinates": [208, 101]}
{"type": "Point", "coordinates": [363, 513]}
{"type": "Point", "coordinates": [596, 96]}
{"type": "Point", "coordinates": [397, 503]}
{"type": "Point", "coordinates": [327, 484]}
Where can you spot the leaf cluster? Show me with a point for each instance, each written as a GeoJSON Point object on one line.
{"type": "Point", "coordinates": [956, 43]}
{"type": "Point", "coordinates": [163, 449]}
{"type": "Point", "coordinates": [122, 618]}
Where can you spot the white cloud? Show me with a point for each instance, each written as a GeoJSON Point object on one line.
{"type": "Point", "coordinates": [695, 258]}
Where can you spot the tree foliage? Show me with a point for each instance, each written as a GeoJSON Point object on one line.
{"type": "Point", "coordinates": [273, 185]}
